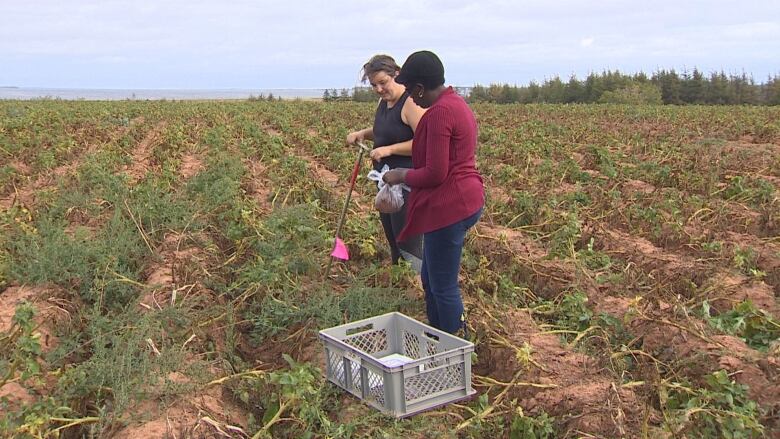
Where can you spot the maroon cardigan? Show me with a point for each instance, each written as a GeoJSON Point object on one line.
{"type": "Point", "coordinates": [446, 186]}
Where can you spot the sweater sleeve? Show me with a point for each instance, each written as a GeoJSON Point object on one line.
{"type": "Point", "coordinates": [437, 151]}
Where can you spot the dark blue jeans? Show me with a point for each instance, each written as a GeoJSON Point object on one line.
{"type": "Point", "coordinates": [442, 250]}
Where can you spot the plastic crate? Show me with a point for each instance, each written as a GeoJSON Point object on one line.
{"type": "Point", "coordinates": [397, 364]}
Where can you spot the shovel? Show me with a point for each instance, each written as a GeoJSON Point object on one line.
{"type": "Point", "coordinates": [339, 248]}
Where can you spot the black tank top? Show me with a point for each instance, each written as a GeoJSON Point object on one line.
{"type": "Point", "coordinates": [389, 128]}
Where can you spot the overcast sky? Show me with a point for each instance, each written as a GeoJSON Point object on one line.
{"type": "Point", "coordinates": [315, 44]}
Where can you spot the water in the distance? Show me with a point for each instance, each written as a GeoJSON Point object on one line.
{"type": "Point", "coordinates": [142, 94]}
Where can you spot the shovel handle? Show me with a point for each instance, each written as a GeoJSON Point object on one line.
{"type": "Point", "coordinates": [355, 172]}
{"type": "Point", "coordinates": [356, 169]}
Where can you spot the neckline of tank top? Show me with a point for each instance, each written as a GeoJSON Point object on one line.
{"type": "Point", "coordinates": [403, 95]}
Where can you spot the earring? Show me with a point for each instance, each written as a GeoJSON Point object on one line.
{"type": "Point", "coordinates": [420, 95]}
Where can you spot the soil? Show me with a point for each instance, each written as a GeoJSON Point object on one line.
{"type": "Point", "coordinates": [547, 276]}
{"type": "Point", "coordinates": [630, 186]}
{"type": "Point", "coordinates": [257, 186]}
{"type": "Point", "coordinates": [768, 256]}
{"type": "Point", "coordinates": [205, 414]}
{"type": "Point", "coordinates": [50, 310]}
{"type": "Point", "coordinates": [727, 286]}
{"type": "Point", "coordinates": [672, 345]}
{"type": "Point", "coordinates": [323, 173]}
{"type": "Point", "coordinates": [47, 311]}
{"type": "Point", "coordinates": [497, 193]}
{"type": "Point", "coordinates": [27, 195]}
{"type": "Point", "coordinates": [166, 279]}
{"type": "Point", "coordinates": [585, 397]}
{"type": "Point", "coordinates": [141, 159]}
{"type": "Point", "coordinates": [662, 264]}
{"type": "Point", "coordinates": [191, 165]}
{"type": "Point", "coordinates": [16, 395]}
{"type": "Point", "coordinates": [271, 131]}
{"type": "Point", "coordinates": [730, 289]}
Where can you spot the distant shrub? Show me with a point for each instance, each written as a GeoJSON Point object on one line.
{"type": "Point", "coordinates": [633, 94]}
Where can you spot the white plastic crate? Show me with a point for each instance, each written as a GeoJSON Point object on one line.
{"type": "Point", "coordinates": [397, 364]}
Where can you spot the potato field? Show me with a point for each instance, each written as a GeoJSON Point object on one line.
{"type": "Point", "coordinates": [162, 272]}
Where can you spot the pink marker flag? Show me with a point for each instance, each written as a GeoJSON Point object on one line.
{"type": "Point", "coordinates": [340, 250]}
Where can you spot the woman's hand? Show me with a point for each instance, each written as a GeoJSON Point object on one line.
{"type": "Point", "coordinates": [395, 176]}
{"type": "Point", "coordinates": [355, 137]}
{"type": "Point", "coordinates": [378, 154]}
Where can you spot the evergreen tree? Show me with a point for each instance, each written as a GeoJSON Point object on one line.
{"type": "Point", "coordinates": [533, 93]}
{"type": "Point", "coordinates": [574, 91]}
{"type": "Point", "coordinates": [719, 90]}
{"type": "Point", "coordinates": [593, 88]}
{"type": "Point", "coordinates": [745, 90]}
{"type": "Point", "coordinates": [478, 94]}
{"type": "Point", "coordinates": [554, 91]}
{"type": "Point", "coordinates": [670, 86]}
{"type": "Point", "coordinates": [363, 94]}
{"type": "Point", "coordinates": [773, 91]}
{"type": "Point", "coordinates": [693, 87]}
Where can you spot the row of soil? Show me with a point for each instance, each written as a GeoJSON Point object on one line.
{"type": "Point", "coordinates": [701, 228]}
{"type": "Point", "coordinates": [666, 339]}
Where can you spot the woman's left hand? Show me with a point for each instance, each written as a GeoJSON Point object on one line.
{"type": "Point", "coordinates": [395, 176]}
{"type": "Point", "coordinates": [378, 154]}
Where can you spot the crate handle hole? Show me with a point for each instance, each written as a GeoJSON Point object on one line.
{"type": "Point", "coordinates": [363, 328]}
{"type": "Point", "coordinates": [433, 337]}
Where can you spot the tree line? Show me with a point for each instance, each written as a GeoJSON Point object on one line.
{"type": "Point", "coordinates": [345, 95]}
{"type": "Point", "coordinates": [663, 87]}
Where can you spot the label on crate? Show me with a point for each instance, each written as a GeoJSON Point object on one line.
{"type": "Point", "coordinates": [395, 360]}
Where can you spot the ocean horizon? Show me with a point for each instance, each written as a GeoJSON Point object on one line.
{"type": "Point", "coordinates": [98, 94]}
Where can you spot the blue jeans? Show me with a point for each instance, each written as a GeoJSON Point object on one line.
{"type": "Point", "coordinates": [442, 250]}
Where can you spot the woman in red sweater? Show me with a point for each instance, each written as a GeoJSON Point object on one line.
{"type": "Point", "coordinates": [447, 193]}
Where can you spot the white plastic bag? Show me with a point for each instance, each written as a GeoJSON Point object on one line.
{"type": "Point", "coordinates": [390, 198]}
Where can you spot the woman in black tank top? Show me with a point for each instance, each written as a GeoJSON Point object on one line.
{"type": "Point", "coordinates": [394, 123]}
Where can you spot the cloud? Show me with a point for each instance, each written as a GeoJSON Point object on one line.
{"type": "Point", "coordinates": [310, 43]}
{"type": "Point", "coordinates": [113, 59]}
{"type": "Point", "coordinates": [753, 30]}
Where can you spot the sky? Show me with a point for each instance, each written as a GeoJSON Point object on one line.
{"type": "Point", "coordinates": [195, 44]}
